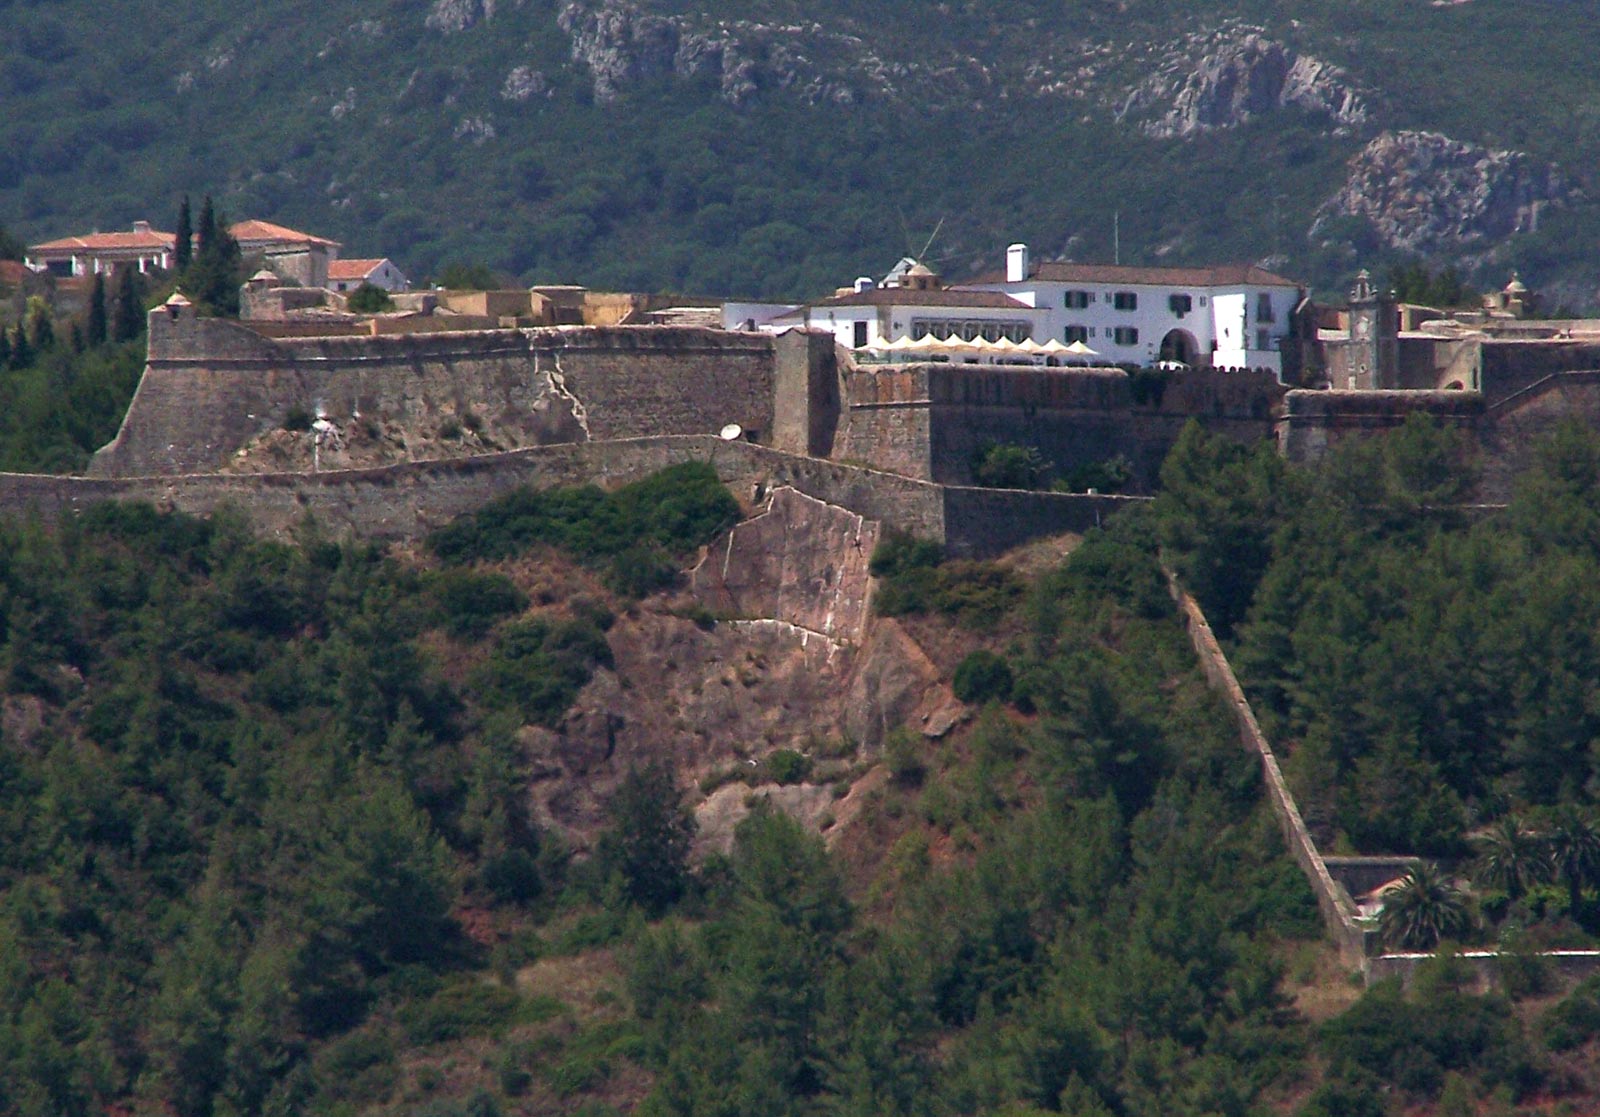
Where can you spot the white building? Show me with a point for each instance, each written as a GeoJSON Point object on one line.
{"type": "Point", "coordinates": [1218, 317]}
{"type": "Point", "coordinates": [347, 275]}
{"type": "Point", "coordinates": [915, 307]}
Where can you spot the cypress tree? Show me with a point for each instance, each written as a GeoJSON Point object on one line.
{"type": "Point", "coordinates": [5, 350]}
{"type": "Point", "coordinates": [183, 249]}
{"type": "Point", "coordinates": [208, 227]}
{"type": "Point", "coordinates": [21, 353]}
{"type": "Point", "coordinates": [97, 311]}
{"type": "Point", "coordinates": [127, 317]}
{"type": "Point", "coordinates": [41, 330]}
{"type": "Point", "coordinates": [75, 338]}
{"type": "Point", "coordinates": [213, 279]}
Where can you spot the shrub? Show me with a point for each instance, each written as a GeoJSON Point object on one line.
{"type": "Point", "coordinates": [981, 677]}
{"type": "Point", "coordinates": [1109, 476]}
{"type": "Point", "coordinates": [297, 419]}
{"type": "Point", "coordinates": [537, 670]}
{"type": "Point", "coordinates": [671, 512]}
{"type": "Point", "coordinates": [467, 1008]}
{"type": "Point", "coordinates": [906, 766]}
{"type": "Point", "coordinates": [467, 604]}
{"type": "Point", "coordinates": [367, 299]}
{"type": "Point", "coordinates": [1575, 1020]}
{"type": "Point", "coordinates": [898, 553]}
{"type": "Point", "coordinates": [1000, 465]}
{"type": "Point", "coordinates": [788, 766]}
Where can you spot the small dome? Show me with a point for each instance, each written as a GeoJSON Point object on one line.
{"type": "Point", "coordinates": [919, 270]}
{"type": "Point", "coordinates": [1515, 287]}
{"type": "Point", "coordinates": [263, 276]}
{"type": "Point", "coordinates": [177, 299]}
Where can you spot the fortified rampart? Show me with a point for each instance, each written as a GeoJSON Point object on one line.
{"type": "Point", "coordinates": [408, 499]}
{"type": "Point", "coordinates": [932, 420]}
{"type": "Point", "coordinates": [211, 387]}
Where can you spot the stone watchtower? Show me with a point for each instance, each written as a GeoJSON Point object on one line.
{"type": "Point", "coordinates": [1374, 337]}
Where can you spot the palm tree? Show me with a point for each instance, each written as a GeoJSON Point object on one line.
{"type": "Point", "coordinates": [1423, 908]}
{"type": "Point", "coordinates": [1574, 851]}
{"type": "Point", "coordinates": [1511, 857]}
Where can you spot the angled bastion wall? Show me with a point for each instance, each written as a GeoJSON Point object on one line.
{"type": "Point", "coordinates": [212, 387]}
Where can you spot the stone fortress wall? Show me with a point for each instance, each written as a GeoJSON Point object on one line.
{"type": "Point", "coordinates": [891, 440]}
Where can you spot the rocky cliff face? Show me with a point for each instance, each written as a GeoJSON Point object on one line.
{"type": "Point", "coordinates": [1240, 75]}
{"type": "Point", "coordinates": [1426, 193]}
{"type": "Point", "coordinates": [621, 45]}
{"type": "Point", "coordinates": [798, 663]}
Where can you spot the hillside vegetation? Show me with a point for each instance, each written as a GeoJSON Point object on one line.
{"type": "Point", "coordinates": [264, 849]}
{"type": "Point", "coordinates": [779, 149]}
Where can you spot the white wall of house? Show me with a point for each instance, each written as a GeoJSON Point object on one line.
{"type": "Point", "coordinates": [882, 324]}
{"type": "Point", "coordinates": [1127, 322]}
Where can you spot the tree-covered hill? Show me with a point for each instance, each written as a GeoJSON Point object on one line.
{"type": "Point", "coordinates": [776, 148]}
{"type": "Point", "coordinates": [265, 849]}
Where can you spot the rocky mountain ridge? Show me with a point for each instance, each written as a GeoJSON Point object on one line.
{"type": "Point", "coordinates": [770, 148]}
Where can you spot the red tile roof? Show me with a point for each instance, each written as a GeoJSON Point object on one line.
{"type": "Point", "coordinates": [352, 269]}
{"type": "Point", "coordinates": [906, 296]}
{"type": "Point", "coordinates": [1226, 275]}
{"type": "Point", "coordinates": [147, 239]}
{"type": "Point", "coordinates": [249, 233]}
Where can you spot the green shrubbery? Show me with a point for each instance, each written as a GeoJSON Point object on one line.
{"type": "Point", "coordinates": [914, 578]}
{"type": "Point", "coordinates": [635, 534]}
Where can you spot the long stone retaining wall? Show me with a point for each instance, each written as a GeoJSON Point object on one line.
{"type": "Point", "coordinates": [1355, 941]}
{"type": "Point", "coordinates": [409, 499]}
{"type": "Point", "coordinates": [1360, 946]}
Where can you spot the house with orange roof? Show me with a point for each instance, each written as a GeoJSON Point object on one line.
{"type": "Point", "coordinates": [98, 253]}
{"type": "Point", "coordinates": [347, 275]}
{"type": "Point", "coordinates": [301, 258]}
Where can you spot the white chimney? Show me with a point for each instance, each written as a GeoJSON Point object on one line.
{"type": "Point", "coordinates": [863, 283]}
{"type": "Point", "coordinates": [141, 226]}
{"type": "Point", "coordinates": [1017, 263]}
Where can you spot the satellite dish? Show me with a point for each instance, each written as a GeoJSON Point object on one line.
{"type": "Point", "coordinates": [731, 432]}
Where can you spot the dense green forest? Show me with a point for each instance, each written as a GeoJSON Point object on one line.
{"type": "Point", "coordinates": [1430, 669]}
{"type": "Point", "coordinates": [264, 848]}
{"type": "Point", "coordinates": [794, 147]}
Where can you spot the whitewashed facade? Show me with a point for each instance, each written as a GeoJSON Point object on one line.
{"type": "Point", "coordinates": [1218, 317]}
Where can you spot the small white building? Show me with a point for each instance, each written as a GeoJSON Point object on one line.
{"type": "Point", "coordinates": [1217, 317]}
{"type": "Point", "coordinates": [99, 253]}
{"type": "Point", "coordinates": [347, 275]}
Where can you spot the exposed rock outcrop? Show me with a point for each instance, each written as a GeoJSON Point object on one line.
{"type": "Point", "coordinates": [450, 17]}
{"type": "Point", "coordinates": [524, 82]}
{"type": "Point", "coordinates": [621, 45]}
{"type": "Point", "coordinates": [1240, 75]}
{"type": "Point", "coordinates": [1426, 193]}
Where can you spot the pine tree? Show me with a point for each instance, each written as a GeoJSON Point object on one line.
{"type": "Point", "coordinates": [183, 247]}
{"type": "Point", "coordinates": [97, 311]}
{"type": "Point", "coordinates": [127, 317]}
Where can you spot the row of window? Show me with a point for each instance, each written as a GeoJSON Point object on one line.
{"type": "Point", "coordinates": [1122, 335]}
{"type": "Point", "coordinates": [1177, 302]}
{"type": "Point", "coordinates": [969, 329]}
{"type": "Point", "coordinates": [1129, 335]}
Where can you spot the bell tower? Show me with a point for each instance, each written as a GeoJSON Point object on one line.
{"type": "Point", "coordinates": [1374, 337]}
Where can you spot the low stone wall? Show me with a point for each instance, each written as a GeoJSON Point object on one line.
{"type": "Point", "coordinates": [1354, 941]}
{"type": "Point", "coordinates": [1566, 968]}
{"type": "Point", "coordinates": [983, 522]}
{"type": "Point", "coordinates": [409, 499]}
